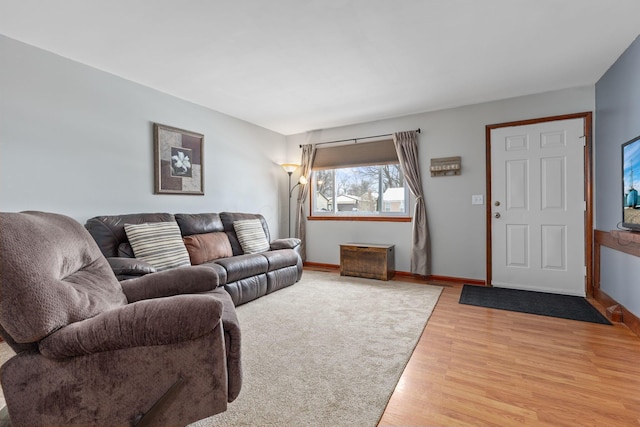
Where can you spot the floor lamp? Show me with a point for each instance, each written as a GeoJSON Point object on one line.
{"type": "Point", "coordinates": [289, 168]}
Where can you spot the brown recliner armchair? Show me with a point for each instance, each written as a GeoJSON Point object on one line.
{"type": "Point", "coordinates": [87, 354]}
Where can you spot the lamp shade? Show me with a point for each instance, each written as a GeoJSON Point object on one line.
{"type": "Point", "coordinates": [289, 167]}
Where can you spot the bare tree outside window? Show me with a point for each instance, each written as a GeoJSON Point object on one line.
{"type": "Point", "coordinates": [391, 175]}
{"type": "Point", "coordinates": [375, 189]}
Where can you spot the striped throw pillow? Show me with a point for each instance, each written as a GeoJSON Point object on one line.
{"type": "Point", "coordinates": [251, 236]}
{"type": "Point", "coordinates": [158, 243]}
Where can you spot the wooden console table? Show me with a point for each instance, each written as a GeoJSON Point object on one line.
{"type": "Point", "coordinates": [367, 260]}
{"type": "Point", "coordinates": [623, 241]}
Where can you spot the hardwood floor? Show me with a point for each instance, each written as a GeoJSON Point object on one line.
{"type": "Point", "coordinates": [483, 367]}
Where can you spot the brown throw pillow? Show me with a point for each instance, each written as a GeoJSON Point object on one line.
{"type": "Point", "coordinates": [207, 247]}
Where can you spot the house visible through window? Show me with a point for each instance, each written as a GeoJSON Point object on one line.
{"type": "Point", "coordinates": [358, 179]}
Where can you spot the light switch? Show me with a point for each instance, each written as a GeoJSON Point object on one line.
{"type": "Point", "coordinates": [477, 199]}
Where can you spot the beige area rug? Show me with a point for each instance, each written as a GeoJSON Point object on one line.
{"type": "Point", "coordinates": [327, 351]}
{"type": "Point", "coordinates": [6, 353]}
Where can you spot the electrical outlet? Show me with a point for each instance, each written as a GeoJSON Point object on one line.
{"type": "Point", "coordinates": [477, 199]}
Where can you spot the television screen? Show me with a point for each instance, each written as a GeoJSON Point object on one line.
{"type": "Point", "coordinates": [631, 184]}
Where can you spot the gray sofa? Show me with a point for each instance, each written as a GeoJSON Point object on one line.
{"type": "Point", "coordinates": [244, 276]}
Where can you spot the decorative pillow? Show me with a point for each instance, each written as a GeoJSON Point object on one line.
{"type": "Point", "coordinates": [251, 236]}
{"type": "Point", "coordinates": [207, 247]}
{"type": "Point", "coordinates": [158, 243]}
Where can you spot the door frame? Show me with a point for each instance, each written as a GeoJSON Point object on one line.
{"type": "Point", "coordinates": [588, 190]}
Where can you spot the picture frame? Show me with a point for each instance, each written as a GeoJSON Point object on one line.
{"type": "Point", "coordinates": [178, 161]}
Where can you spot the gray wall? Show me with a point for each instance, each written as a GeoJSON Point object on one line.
{"type": "Point", "coordinates": [457, 227]}
{"type": "Point", "coordinates": [617, 120]}
{"type": "Point", "coordinates": [78, 141]}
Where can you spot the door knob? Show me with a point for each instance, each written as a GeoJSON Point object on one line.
{"type": "Point", "coordinates": [497, 215]}
{"type": "Point", "coordinates": [497, 203]}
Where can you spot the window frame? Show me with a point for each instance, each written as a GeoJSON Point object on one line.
{"type": "Point", "coordinates": [316, 215]}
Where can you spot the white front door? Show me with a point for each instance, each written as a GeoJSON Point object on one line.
{"type": "Point", "coordinates": [538, 207]}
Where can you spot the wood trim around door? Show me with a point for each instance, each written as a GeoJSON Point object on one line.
{"type": "Point", "coordinates": [588, 189]}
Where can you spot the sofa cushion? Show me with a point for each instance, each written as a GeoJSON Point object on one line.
{"type": "Point", "coordinates": [122, 266]}
{"type": "Point", "coordinates": [108, 230]}
{"type": "Point", "coordinates": [207, 247]}
{"type": "Point", "coordinates": [125, 250]}
{"type": "Point", "coordinates": [290, 243]}
{"type": "Point", "coordinates": [245, 290]}
{"type": "Point", "coordinates": [220, 271]}
{"type": "Point", "coordinates": [49, 261]}
{"type": "Point", "coordinates": [199, 223]}
{"type": "Point", "coordinates": [281, 278]}
{"type": "Point", "coordinates": [158, 243]}
{"type": "Point", "coordinates": [251, 236]}
{"type": "Point", "coordinates": [281, 258]}
{"type": "Point", "coordinates": [242, 266]}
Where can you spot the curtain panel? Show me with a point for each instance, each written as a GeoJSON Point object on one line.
{"type": "Point", "coordinates": [406, 144]}
{"type": "Point", "coordinates": [306, 162]}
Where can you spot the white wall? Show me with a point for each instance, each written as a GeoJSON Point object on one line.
{"type": "Point", "coordinates": [78, 141]}
{"type": "Point", "coordinates": [457, 227]}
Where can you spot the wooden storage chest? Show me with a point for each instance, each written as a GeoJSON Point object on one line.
{"type": "Point", "coordinates": [372, 261]}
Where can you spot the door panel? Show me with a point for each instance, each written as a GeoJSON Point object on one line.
{"type": "Point", "coordinates": [553, 184]}
{"type": "Point", "coordinates": [554, 247]}
{"type": "Point", "coordinates": [538, 216]}
{"type": "Point", "coordinates": [517, 245]}
{"type": "Point", "coordinates": [517, 183]}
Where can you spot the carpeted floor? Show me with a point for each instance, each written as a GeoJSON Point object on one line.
{"type": "Point", "coordinates": [541, 303]}
{"type": "Point", "coordinates": [6, 353]}
{"type": "Point", "coordinates": [327, 351]}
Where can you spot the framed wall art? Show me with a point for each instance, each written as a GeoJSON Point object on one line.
{"type": "Point", "coordinates": [178, 164]}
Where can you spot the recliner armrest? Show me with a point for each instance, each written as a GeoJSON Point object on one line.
{"type": "Point", "coordinates": [176, 281]}
{"type": "Point", "coordinates": [289, 243]}
{"type": "Point", "coordinates": [145, 323]}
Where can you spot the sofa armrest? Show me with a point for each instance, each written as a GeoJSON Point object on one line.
{"type": "Point", "coordinates": [122, 266]}
{"type": "Point", "coordinates": [290, 243]}
{"type": "Point", "coordinates": [233, 346]}
{"type": "Point", "coordinates": [146, 323]}
{"type": "Point", "coordinates": [176, 281]}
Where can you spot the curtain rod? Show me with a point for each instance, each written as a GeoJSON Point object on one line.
{"type": "Point", "coordinates": [355, 140]}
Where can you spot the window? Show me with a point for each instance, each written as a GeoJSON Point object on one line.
{"type": "Point", "coordinates": [358, 180]}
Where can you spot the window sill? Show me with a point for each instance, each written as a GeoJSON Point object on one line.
{"type": "Point", "coordinates": [360, 218]}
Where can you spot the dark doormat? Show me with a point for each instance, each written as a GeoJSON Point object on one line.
{"type": "Point", "coordinates": [545, 304]}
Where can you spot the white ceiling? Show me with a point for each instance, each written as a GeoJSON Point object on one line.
{"type": "Point", "coordinates": [298, 65]}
